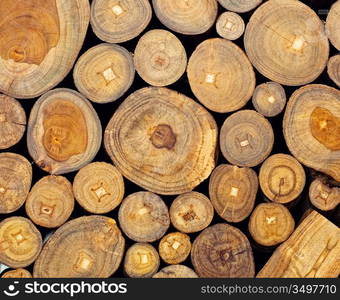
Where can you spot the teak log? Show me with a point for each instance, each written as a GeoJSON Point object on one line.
{"type": "Point", "coordinates": [278, 47]}
{"type": "Point", "coordinates": [141, 261]}
{"type": "Point", "coordinates": [119, 21]}
{"type": "Point", "coordinates": [50, 202]}
{"type": "Point", "coordinates": [333, 69]}
{"type": "Point", "coordinates": [91, 246]}
{"type": "Point", "coordinates": [160, 57]}
{"type": "Point", "coordinates": [162, 140]}
{"type": "Point", "coordinates": [313, 250]}
{"type": "Point", "coordinates": [174, 248]}
{"type": "Point", "coordinates": [323, 196]}
{"type": "Point", "coordinates": [269, 99]}
{"type": "Point", "coordinates": [220, 75]}
{"type": "Point", "coordinates": [144, 217]}
{"type": "Point", "coordinates": [246, 138]}
{"type": "Point", "coordinates": [64, 132]}
{"type": "Point", "coordinates": [20, 242]}
{"type": "Point", "coordinates": [15, 181]}
{"type": "Point", "coordinates": [186, 17]}
{"type": "Point", "coordinates": [39, 43]}
{"type": "Point", "coordinates": [311, 128]}
{"type": "Point", "coordinates": [98, 187]}
{"type": "Point", "coordinates": [230, 25]}
{"type": "Point", "coordinates": [222, 250]}
{"type": "Point", "coordinates": [333, 25]}
{"type": "Point", "coordinates": [17, 273]}
{"type": "Point", "coordinates": [282, 178]}
{"type": "Point", "coordinates": [191, 212]}
{"type": "Point", "coordinates": [233, 191]}
{"type": "Point", "coordinates": [12, 122]}
{"type": "Point", "coordinates": [176, 271]}
{"type": "Point", "coordinates": [270, 224]}
{"type": "Point", "coordinates": [104, 73]}
{"type": "Point", "coordinates": [240, 6]}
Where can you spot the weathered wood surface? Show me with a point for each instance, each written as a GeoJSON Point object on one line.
{"type": "Point", "coordinates": [313, 250]}
{"type": "Point", "coordinates": [91, 246]}
{"type": "Point", "coordinates": [286, 42]}
{"type": "Point", "coordinates": [64, 132]}
{"type": "Point", "coordinates": [156, 127]}
{"type": "Point", "coordinates": [39, 43]}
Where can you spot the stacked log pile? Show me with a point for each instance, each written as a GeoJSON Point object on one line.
{"type": "Point", "coordinates": [169, 138]}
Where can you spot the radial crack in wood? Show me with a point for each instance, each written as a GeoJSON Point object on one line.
{"type": "Point", "coordinates": [233, 191]}
{"type": "Point", "coordinates": [64, 131]}
{"type": "Point", "coordinates": [117, 21]}
{"type": "Point", "coordinates": [311, 127]}
{"type": "Point", "coordinates": [90, 247]}
{"type": "Point", "coordinates": [50, 202]}
{"type": "Point", "coordinates": [20, 242]}
{"type": "Point", "coordinates": [220, 75]}
{"type": "Point", "coordinates": [162, 140]}
{"type": "Point", "coordinates": [312, 251]}
{"type": "Point", "coordinates": [222, 251]}
{"type": "Point", "coordinates": [286, 42]}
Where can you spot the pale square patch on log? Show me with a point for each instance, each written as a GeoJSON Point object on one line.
{"type": "Point", "coordinates": [244, 143]}
{"type": "Point", "coordinates": [271, 99]}
{"type": "Point", "coordinates": [109, 75]}
{"type": "Point", "coordinates": [176, 245]}
{"type": "Point", "coordinates": [144, 259]}
{"type": "Point", "coordinates": [324, 195]}
{"type": "Point", "coordinates": [234, 191]}
{"type": "Point", "coordinates": [2, 190]}
{"type": "Point", "coordinates": [2, 118]}
{"type": "Point", "coordinates": [117, 10]}
{"type": "Point", "coordinates": [100, 192]}
{"type": "Point", "coordinates": [46, 210]}
{"type": "Point", "coordinates": [271, 220]}
{"type": "Point", "coordinates": [210, 78]}
{"type": "Point", "coordinates": [298, 43]}
{"type": "Point", "coordinates": [143, 211]}
{"type": "Point", "coordinates": [84, 263]}
{"type": "Point", "coordinates": [229, 25]}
